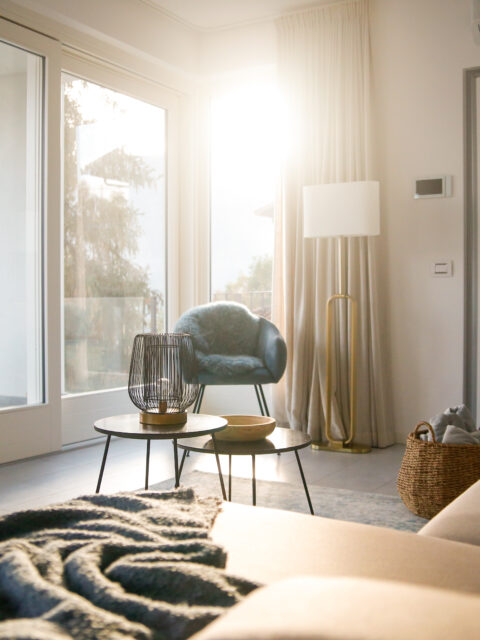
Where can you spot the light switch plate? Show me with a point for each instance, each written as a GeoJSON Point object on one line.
{"type": "Point", "coordinates": [442, 269]}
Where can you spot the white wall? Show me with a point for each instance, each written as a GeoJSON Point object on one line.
{"type": "Point", "coordinates": [229, 50]}
{"type": "Point", "coordinates": [132, 34]}
{"type": "Point", "coordinates": [420, 48]}
{"type": "Point", "coordinates": [134, 24]}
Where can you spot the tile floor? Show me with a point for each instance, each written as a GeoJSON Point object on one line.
{"type": "Point", "coordinates": [74, 470]}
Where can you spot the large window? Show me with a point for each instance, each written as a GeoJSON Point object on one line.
{"type": "Point", "coordinates": [21, 317]}
{"type": "Point", "coordinates": [114, 231]}
{"type": "Point", "coordinates": [244, 165]}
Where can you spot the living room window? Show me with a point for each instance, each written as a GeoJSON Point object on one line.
{"type": "Point", "coordinates": [114, 158]}
{"type": "Point", "coordinates": [245, 152]}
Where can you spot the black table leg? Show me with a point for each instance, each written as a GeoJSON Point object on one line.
{"type": "Point", "coordinates": [304, 483]}
{"type": "Point", "coordinates": [222, 485]}
{"type": "Point", "coordinates": [194, 410]}
{"type": "Point", "coordinates": [198, 401]}
{"type": "Point", "coordinates": [175, 458]}
{"type": "Point", "coordinates": [99, 483]}
{"type": "Point", "coordinates": [147, 464]}
{"type": "Point", "coordinates": [254, 483]}
{"type": "Point", "coordinates": [230, 478]}
{"type": "Point", "coordinates": [185, 452]}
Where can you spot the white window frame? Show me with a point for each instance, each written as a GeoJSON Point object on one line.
{"type": "Point", "coordinates": [34, 429]}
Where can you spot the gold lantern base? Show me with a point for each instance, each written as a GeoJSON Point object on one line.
{"type": "Point", "coordinates": [338, 446]}
{"type": "Point", "coordinates": [163, 419]}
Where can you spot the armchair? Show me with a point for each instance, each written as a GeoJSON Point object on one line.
{"type": "Point", "coordinates": [234, 346]}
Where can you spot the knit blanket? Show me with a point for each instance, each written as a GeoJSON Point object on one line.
{"type": "Point", "coordinates": [130, 565]}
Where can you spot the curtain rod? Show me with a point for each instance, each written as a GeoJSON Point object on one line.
{"type": "Point", "coordinates": [318, 7]}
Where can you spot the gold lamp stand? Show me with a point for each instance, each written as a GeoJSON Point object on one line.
{"type": "Point", "coordinates": [347, 445]}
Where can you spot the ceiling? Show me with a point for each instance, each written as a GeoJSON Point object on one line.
{"type": "Point", "coordinates": [220, 14]}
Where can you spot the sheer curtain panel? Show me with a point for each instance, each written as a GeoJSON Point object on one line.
{"type": "Point", "coordinates": [324, 76]}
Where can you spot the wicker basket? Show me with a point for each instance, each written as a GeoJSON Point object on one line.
{"type": "Point", "coordinates": [433, 474]}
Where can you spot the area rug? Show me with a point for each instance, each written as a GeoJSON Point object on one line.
{"type": "Point", "coordinates": [341, 504]}
{"type": "Point", "coordinates": [136, 566]}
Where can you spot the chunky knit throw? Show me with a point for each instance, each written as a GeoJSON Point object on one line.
{"type": "Point", "coordinates": [131, 565]}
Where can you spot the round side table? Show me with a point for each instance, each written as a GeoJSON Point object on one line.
{"type": "Point", "coordinates": [280, 441]}
{"type": "Point", "coordinates": [129, 426]}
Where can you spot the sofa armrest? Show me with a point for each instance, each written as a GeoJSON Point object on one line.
{"type": "Point", "coordinates": [339, 608]}
{"type": "Point", "coordinates": [267, 545]}
{"type": "Point", "coordinates": [460, 520]}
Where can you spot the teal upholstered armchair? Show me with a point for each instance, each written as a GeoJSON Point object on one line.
{"type": "Point", "coordinates": [234, 346]}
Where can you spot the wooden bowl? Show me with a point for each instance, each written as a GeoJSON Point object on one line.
{"type": "Point", "coordinates": [246, 428]}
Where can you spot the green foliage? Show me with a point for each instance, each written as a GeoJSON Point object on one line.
{"type": "Point", "coordinates": [258, 278]}
{"type": "Point", "coordinates": [101, 227]}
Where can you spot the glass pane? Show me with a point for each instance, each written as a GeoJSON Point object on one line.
{"type": "Point", "coordinates": [244, 166]}
{"type": "Point", "coordinates": [21, 330]}
{"type": "Point", "coordinates": [114, 231]}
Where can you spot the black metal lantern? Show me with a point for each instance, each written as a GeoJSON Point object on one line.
{"type": "Point", "coordinates": [163, 377]}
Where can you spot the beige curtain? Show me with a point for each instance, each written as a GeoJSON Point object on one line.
{"type": "Point", "coordinates": [324, 76]}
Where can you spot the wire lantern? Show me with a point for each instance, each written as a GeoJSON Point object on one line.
{"type": "Point", "coordinates": [163, 377]}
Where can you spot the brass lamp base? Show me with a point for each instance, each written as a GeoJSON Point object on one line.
{"type": "Point", "coordinates": [163, 419]}
{"type": "Point", "coordinates": [340, 447]}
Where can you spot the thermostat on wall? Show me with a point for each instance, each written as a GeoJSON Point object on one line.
{"type": "Point", "coordinates": [433, 187]}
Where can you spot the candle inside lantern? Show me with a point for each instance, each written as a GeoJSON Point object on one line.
{"type": "Point", "coordinates": [164, 384]}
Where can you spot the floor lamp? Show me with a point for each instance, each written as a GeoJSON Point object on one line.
{"type": "Point", "coordinates": [341, 210]}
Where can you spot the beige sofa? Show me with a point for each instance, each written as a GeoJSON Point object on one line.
{"type": "Point", "coordinates": [340, 580]}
